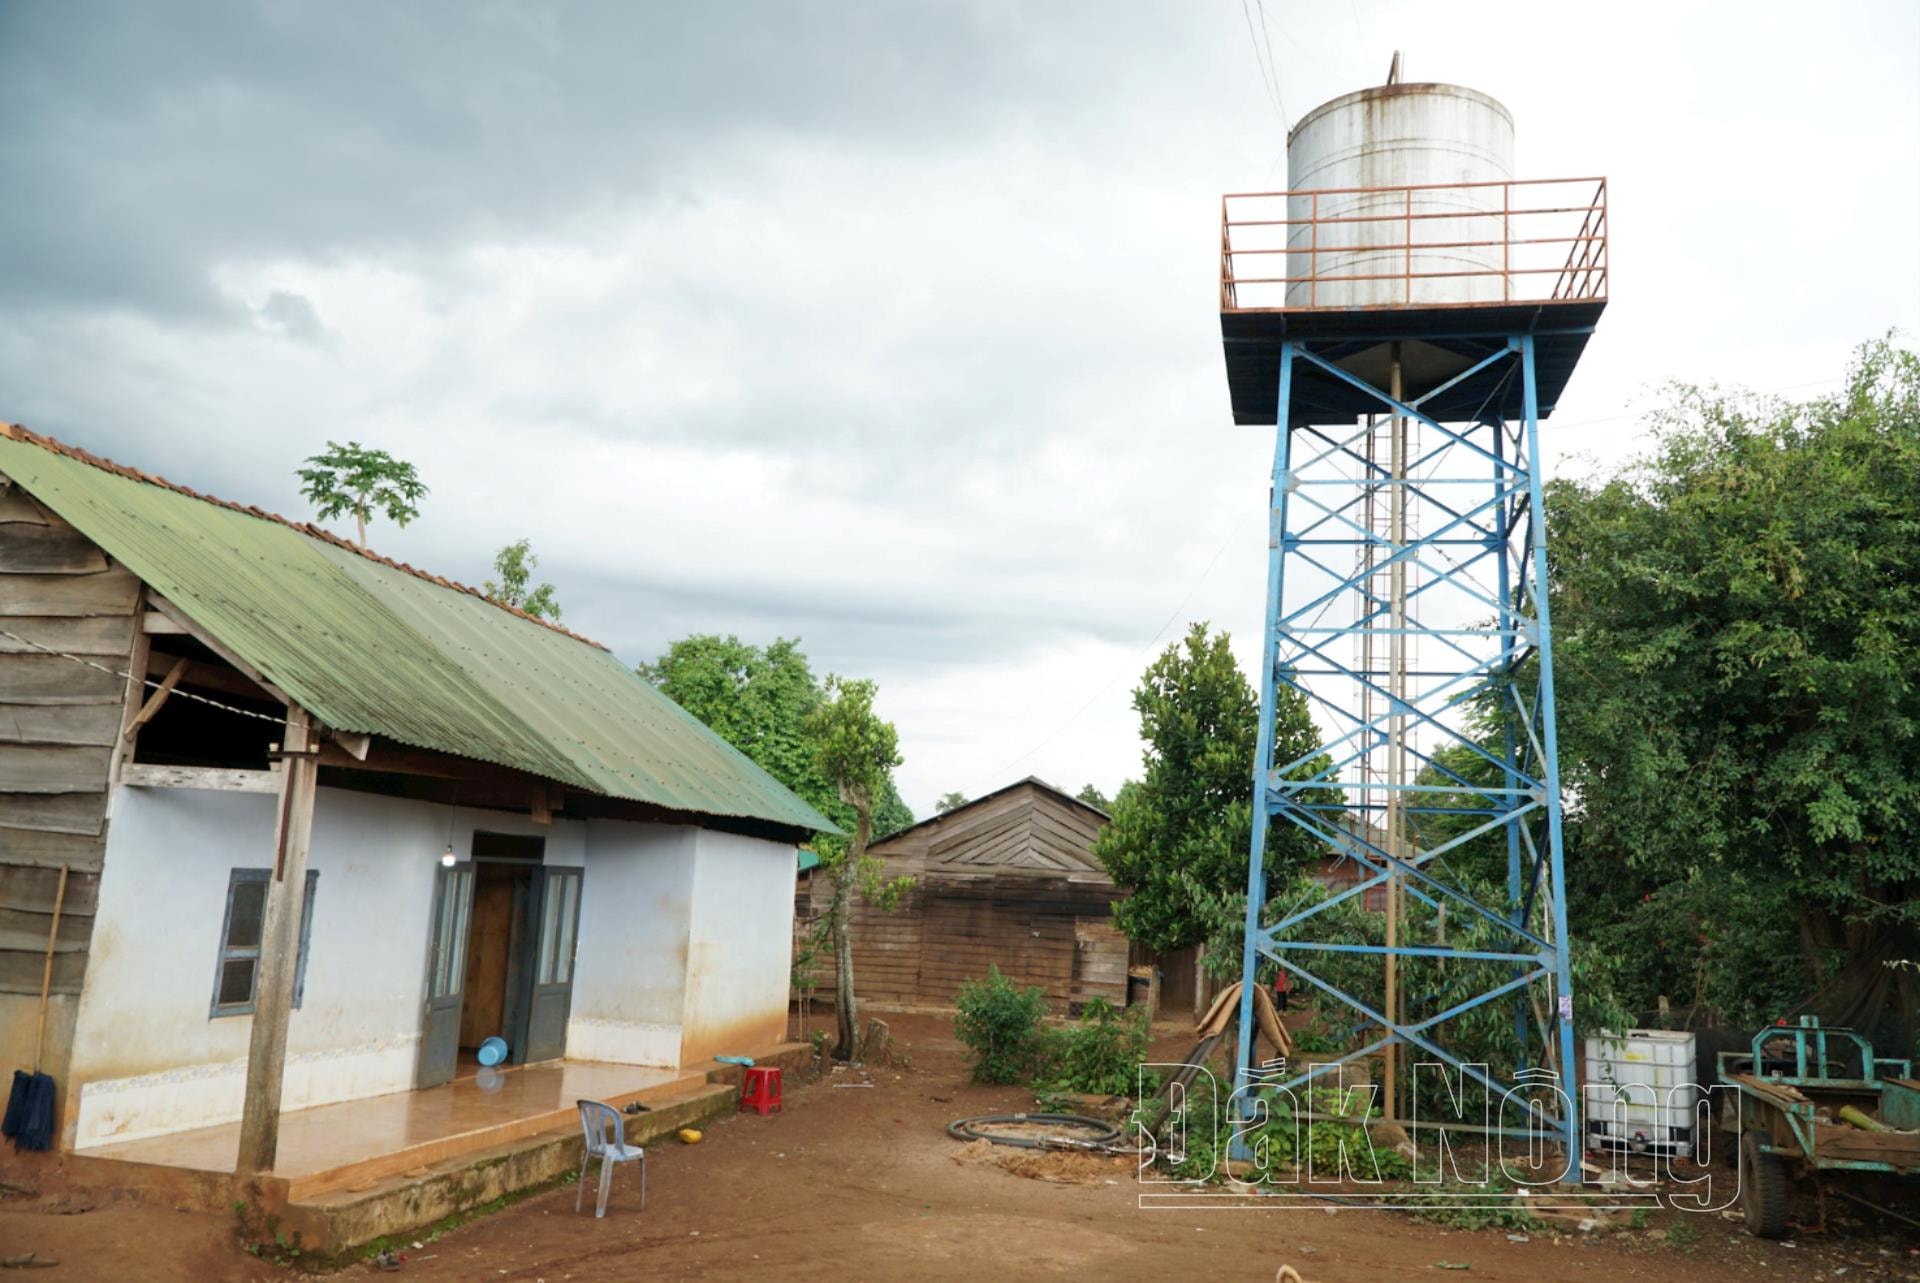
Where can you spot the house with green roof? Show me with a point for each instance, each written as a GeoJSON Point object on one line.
{"type": "Point", "coordinates": [284, 824]}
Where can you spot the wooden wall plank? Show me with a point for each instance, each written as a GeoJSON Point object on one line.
{"type": "Point", "coordinates": [55, 548]}
{"type": "Point", "coordinates": [97, 724]}
{"type": "Point", "coordinates": [109, 592]}
{"type": "Point", "coordinates": [54, 812]}
{"type": "Point", "coordinates": [89, 635]}
{"type": "Point", "coordinates": [35, 847]}
{"type": "Point", "coordinates": [45, 768]}
{"type": "Point", "coordinates": [33, 890]}
{"type": "Point", "coordinates": [17, 505]}
{"type": "Point", "coordinates": [27, 931]}
{"type": "Point", "coordinates": [28, 678]}
{"type": "Point", "coordinates": [21, 970]}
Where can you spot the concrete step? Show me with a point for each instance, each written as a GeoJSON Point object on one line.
{"type": "Point", "coordinates": [410, 1203]}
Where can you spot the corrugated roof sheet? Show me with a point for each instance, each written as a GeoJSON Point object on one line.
{"type": "Point", "coordinates": [372, 646]}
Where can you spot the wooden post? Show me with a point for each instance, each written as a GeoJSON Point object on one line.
{"type": "Point", "coordinates": [123, 746]}
{"type": "Point", "coordinates": [279, 950]}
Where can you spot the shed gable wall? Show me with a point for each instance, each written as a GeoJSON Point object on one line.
{"type": "Point", "coordinates": [1008, 881]}
{"type": "Point", "coordinates": [59, 720]}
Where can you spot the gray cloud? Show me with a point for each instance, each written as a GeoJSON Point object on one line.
{"type": "Point", "coordinates": [261, 128]}
{"type": "Point", "coordinates": [888, 326]}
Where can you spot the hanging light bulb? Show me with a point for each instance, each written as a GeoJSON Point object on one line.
{"type": "Point", "coordinates": [447, 857]}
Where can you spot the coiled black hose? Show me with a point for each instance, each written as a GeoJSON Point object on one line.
{"type": "Point", "coordinates": [1100, 1133]}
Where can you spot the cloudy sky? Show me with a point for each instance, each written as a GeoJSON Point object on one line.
{"type": "Point", "coordinates": [888, 326]}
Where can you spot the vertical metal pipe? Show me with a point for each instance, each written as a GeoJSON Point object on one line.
{"type": "Point", "coordinates": [1396, 719]}
{"type": "Point", "coordinates": [1510, 745]}
{"type": "Point", "coordinates": [1263, 751]}
{"type": "Point", "coordinates": [1550, 743]}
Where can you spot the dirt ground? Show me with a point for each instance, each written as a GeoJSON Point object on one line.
{"type": "Point", "coordinates": [862, 1183]}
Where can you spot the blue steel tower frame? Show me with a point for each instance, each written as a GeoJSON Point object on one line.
{"type": "Point", "coordinates": [1481, 379]}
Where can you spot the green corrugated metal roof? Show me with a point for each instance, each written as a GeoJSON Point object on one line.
{"type": "Point", "coordinates": [369, 647]}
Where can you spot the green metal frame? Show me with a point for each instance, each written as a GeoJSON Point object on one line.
{"type": "Point", "coordinates": [1810, 1074]}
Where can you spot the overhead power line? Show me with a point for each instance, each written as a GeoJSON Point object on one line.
{"type": "Point", "coordinates": [1267, 79]}
{"type": "Point", "coordinates": [1273, 68]}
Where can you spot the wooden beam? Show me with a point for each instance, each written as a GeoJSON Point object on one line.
{"type": "Point", "coordinates": [157, 700]}
{"type": "Point", "coordinates": [130, 701]}
{"type": "Point", "coordinates": [399, 761]}
{"type": "Point", "coordinates": [279, 952]}
{"type": "Point", "coordinates": [206, 639]}
{"type": "Point", "coordinates": [212, 677]}
{"type": "Point", "coordinates": [145, 775]}
{"type": "Point", "coordinates": [356, 745]}
{"type": "Point", "coordinates": [153, 623]}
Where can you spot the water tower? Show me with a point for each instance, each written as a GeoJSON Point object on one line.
{"type": "Point", "coordinates": [1406, 314]}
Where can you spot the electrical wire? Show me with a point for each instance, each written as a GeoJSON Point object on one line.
{"type": "Point", "coordinates": [144, 682]}
{"type": "Point", "coordinates": [1266, 80]}
{"type": "Point", "coordinates": [1273, 68]}
{"type": "Point", "coordinates": [1108, 685]}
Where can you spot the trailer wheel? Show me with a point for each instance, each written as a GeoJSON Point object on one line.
{"type": "Point", "coordinates": [1763, 1189]}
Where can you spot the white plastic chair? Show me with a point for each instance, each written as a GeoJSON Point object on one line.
{"type": "Point", "coordinates": [606, 1140]}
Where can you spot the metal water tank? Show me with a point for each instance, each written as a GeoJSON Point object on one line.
{"type": "Point", "coordinates": [1399, 137]}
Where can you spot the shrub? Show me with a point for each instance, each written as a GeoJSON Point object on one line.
{"type": "Point", "coordinates": [1000, 1024]}
{"type": "Point", "coordinates": [1099, 1054]}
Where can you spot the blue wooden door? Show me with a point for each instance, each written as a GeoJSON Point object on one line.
{"type": "Point", "coordinates": [446, 976]}
{"type": "Point", "coordinates": [557, 929]}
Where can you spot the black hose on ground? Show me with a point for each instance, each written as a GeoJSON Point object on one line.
{"type": "Point", "coordinates": [1101, 1132]}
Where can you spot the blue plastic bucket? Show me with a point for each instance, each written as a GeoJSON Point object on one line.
{"type": "Point", "coordinates": [493, 1051]}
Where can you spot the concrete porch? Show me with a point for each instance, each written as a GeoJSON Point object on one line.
{"type": "Point", "coordinates": [349, 1173]}
{"type": "Point", "coordinates": [356, 1142]}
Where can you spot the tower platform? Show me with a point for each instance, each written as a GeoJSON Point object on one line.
{"type": "Point", "coordinates": [1437, 344]}
{"type": "Point", "coordinates": [1452, 272]}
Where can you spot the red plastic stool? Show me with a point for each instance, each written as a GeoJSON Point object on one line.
{"type": "Point", "coordinates": [761, 1090]}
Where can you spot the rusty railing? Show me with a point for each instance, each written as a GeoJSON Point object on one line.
{"type": "Point", "coordinates": [1425, 245]}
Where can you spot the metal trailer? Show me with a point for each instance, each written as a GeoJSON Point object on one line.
{"type": "Point", "coordinates": [1790, 1089]}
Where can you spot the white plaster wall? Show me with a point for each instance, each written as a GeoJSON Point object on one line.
{"type": "Point", "coordinates": [630, 970]}
{"type": "Point", "coordinates": [148, 1059]}
{"type": "Point", "coordinates": [740, 946]}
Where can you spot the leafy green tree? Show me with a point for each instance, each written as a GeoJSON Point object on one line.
{"type": "Point", "coordinates": [351, 478]}
{"type": "Point", "coordinates": [1180, 836]}
{"type": "Point", "coordinates": [1737, 638]}
{"type": "Point", "coordinates": [515, 565]}
{"type": "Point", "coordinates": [857, 749]}
{"type": "Point", "coordinates": [1095, 798]}
{"type": "Point", "coordinates": [758, 700]}
{"type": "Point", "coordinates": [949, 802]}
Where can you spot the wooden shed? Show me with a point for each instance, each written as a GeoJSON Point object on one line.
{"type": "Point", "coordinates": [1010, 880]}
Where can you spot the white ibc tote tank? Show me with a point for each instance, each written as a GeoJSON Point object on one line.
{"type": "Point", "coordinates": [1399, 136]}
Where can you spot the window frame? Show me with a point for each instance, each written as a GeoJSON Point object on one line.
{"type": "Point", "coordinates": [227, 953]}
